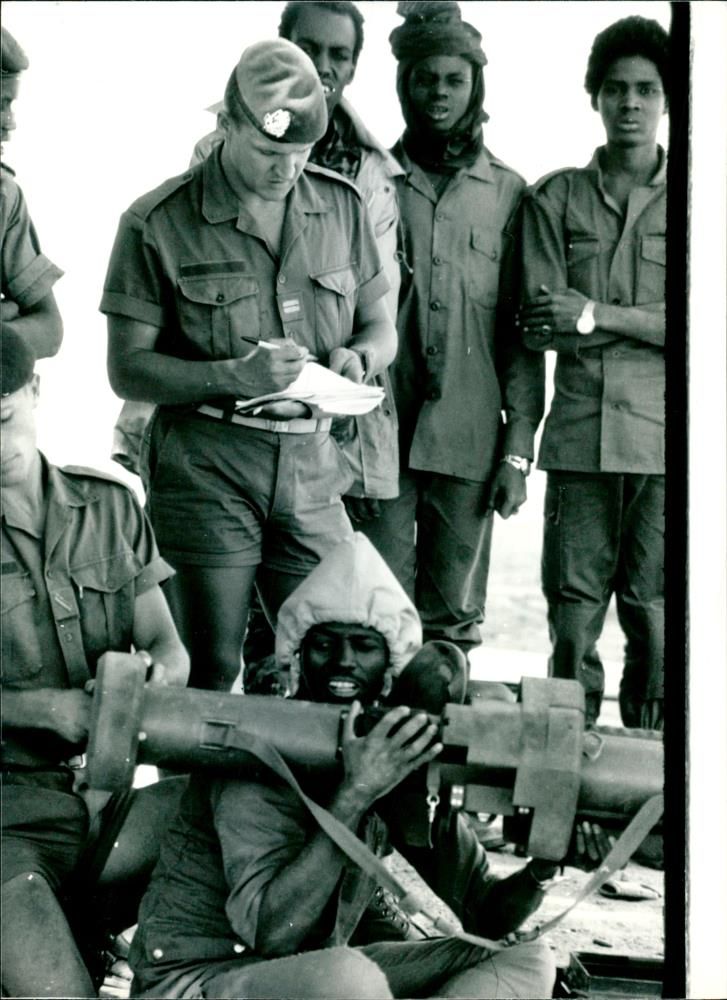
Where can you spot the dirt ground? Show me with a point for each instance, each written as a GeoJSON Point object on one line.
{"type": "Point", "coordinates": [598, 924]}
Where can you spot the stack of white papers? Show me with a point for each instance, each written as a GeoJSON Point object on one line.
{"type": "Point", "coordinates": [324, 392]}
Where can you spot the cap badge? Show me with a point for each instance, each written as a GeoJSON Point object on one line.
{"type": "Point", "coordinates": [276, 123]}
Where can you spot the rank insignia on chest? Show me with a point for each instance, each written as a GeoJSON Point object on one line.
{"type": "Point", "coordinates": [290, 307]}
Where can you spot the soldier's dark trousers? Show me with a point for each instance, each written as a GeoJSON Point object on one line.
{"type": "Point", "coordinates": [604, 535]}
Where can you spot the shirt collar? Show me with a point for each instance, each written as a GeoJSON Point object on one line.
{"type": "Point", "coordinates": [659, 175]}
{"type": "Point", "coordinates": [63, 490]}
{"type": "Point", "coordinates": [480, 170]}
{"type": "Point", "coordinates": [221, 204]}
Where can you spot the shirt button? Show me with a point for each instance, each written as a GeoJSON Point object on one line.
{"type": "Point", "coordinates": [432, 350]}
{"type": "Point", "coordinates": [157, 953]}
{"type": "Point", "coordinates": [440, 217]}
{"type": "Point", "coordinates": [220, 297]}
{"type": "Point", "coordinates": [435, 306]}
{"type": "Point", "coordinates": [49, 574]}
{"type": "Point", "coordinates": [69, 637]}
{"type": "Point", "coordinates": [494, 255]}
{"type": "Point", "coordinates": [238, 948]}
{"type": "Point", "coordinates": [436, 260]}
{"type": "Point", "coordinates": [281, 279]}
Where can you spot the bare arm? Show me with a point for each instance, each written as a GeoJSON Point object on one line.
{"type": "Point", "coordinates": [374, 764]}
{"type": "Point", "coordinates": [374, 335]}
{"type": "Point", "coordinates": [40, 325]}
{"type": "Point", "coordinates": [137, 371]}
{"type": "Point", "coordinates": [154, 630]}
{"type": "Point", "coordinates": [66, 713]}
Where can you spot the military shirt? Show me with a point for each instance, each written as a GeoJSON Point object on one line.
{"type": "Point", "coordinates": [190, 261]}
{"type": "Point", "coordinates": [607, 412]}
{"type": "Point", "coordinates": [229, 840]}
{"type": "Point", "coordinates": [460, 363]}
{"type": "Point", "coordinates": [68, 592]}
{"type": "Point", "coordinates": [372, 450]}
{"type": "Point", "coordinates": [27, 274]}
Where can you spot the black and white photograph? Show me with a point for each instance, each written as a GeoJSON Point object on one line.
{"type": "Point", "coordinates": [363, 447]}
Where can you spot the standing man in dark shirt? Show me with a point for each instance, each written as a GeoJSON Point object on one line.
{"type": "Point", "coordinates": [28, 304]}
{"type": "Point", "coordinates": [250, 246]}
{"type": "Point", "coordinates": [594, 255]}
{"type": "Point", "coordinates": [460, 364]}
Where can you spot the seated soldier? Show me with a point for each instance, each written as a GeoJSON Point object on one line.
{"type": "Point", "coordinates": [251, 899]}
{"type": "Point", "coordinates": [81, 575]}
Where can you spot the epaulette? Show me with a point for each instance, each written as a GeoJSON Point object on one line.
{"type": "Point", "coordinates": [542, 181]}
{"type": "Point", "coordinates": [331, 175]}
{"type": "Point", "coordinates": [495, 161]}
{"type": "Point", "coordinates": [6, 169]}
{"type": "Point", "coordinates": [88, 473]}
{"type": "Point", "coordinates": [152, 199]}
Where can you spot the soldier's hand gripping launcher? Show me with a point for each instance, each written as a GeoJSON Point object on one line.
{"type": "Point", "coordinates": [531, 761]}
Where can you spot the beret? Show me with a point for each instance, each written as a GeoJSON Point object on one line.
{"type": "Point", "coordinates": [435, 28]}
{"type": "Point", "coordinates": [12, 58]}
{"type": "Point", "coordinates": [17, 361]}
{"type": "Point", "coordinates": [280, 92]}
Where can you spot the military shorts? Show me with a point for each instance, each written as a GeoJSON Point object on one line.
{"type": "Point", "coordinates": [223, 495]}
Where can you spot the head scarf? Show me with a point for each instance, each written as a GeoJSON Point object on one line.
{"type": "Point", "coordinates": [435, 28]}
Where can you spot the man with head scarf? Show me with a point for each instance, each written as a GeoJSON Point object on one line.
{"type": "Point", "coordinates": [594, 262]}
{"type": "Point", "coordinates": [28, 304]}
{"type": "Point", "coordinates": [460, 365]}
{"type": "Point", "coordinates": [251, 898]}
{"type": "Point", "coordinates": [222, 283]}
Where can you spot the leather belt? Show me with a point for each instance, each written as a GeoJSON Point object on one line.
{"type": "Point", "coordinates": [298, 425]}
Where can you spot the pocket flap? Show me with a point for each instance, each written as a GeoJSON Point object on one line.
{"type": "Point", "coordinates": [582, 248]}
{"type": "Point", "coordinates": [654, 248]}
{"type": "Point", "coordinates": [107, 575]}
{"type": "Point", "coordinates": [342, 280]}
{"type": "Point", "coordinates": [487, 241]}
{"type": "Point", "coordinates": [218, 289]}
{"type": "Point", "coordinates": [16, 589]}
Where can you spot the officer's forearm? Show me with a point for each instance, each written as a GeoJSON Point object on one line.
{"type": "Point", "coordinates": [375, 336]}
{"type": "Point", "coordinates": [146, 375]}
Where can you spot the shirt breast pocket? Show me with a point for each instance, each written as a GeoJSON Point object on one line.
{"type": "Point", "coordinates": [217, 311]}
{"type": "Point", "coordinates": [106, 595]}
{"type": "Point", "coordinates": [582, 258]}
{"type": "Point", "coordinates": [21, 655]}
{"type": "Point", "coordinates": [484, 265]}
{"type": "Point", "coordinates": [334, 293]}
{"type": "Point", "coordinates": [651, 280]}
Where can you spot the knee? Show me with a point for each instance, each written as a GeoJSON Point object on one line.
{"type": "Point", "coordinates": [357, 977]}
{"type": "Point", "coordinates": [527, 971]}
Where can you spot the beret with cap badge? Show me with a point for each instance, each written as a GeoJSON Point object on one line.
{"type": "Point", "coordinates": [12, 58]}
{"type": "Point", "coordinates": [280, 93]}
{"type": "Point", "coordinates": [17, 362]}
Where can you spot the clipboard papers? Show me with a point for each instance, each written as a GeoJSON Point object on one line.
{"type": "Point", "coordinates": [323, 391]}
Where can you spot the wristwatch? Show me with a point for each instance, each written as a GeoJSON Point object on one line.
{"type": "Point", "coordinates": [586, 322]}
{"type": "Point", "coordinates": [519, 463]}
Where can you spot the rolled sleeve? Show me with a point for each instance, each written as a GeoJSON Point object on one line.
{"type": "Point", "coordinates": [262, 829]}
{"type": "Point", "coordinates": [134, 279]}
{"type": "Point", "coordinates": [155, 572]}
{"type": "Point", "coordinates": [27, 274]}
{"type": "Point", "coordinates": [543, 240]}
